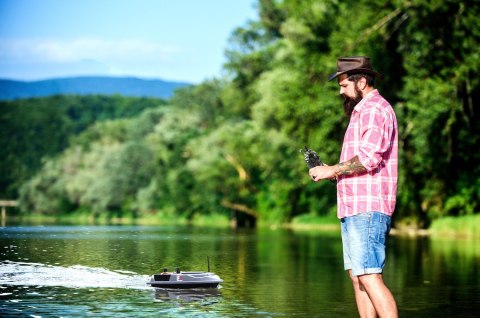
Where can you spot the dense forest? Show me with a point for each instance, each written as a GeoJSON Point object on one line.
{"type": "Point", "coordinates": [35, 130]}
{"type": "Point", "coordinates": [232, 144]}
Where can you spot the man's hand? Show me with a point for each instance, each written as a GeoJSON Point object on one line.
{"type": "Point", "coordinates": [347, 168]}
{"type": "Point", "coordinates": [322, 172]}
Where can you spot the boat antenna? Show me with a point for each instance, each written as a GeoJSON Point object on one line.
{"type": "Point", "coordinates": [208, 263]}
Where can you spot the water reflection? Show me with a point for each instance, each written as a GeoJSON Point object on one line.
{"type": "Point", "coordinates": [206, 295]}
{"type": "Point", "coordinates": [102, 270]}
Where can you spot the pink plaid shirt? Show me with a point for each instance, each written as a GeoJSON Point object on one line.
{"type": "Point", "coordinates": [372, 134]}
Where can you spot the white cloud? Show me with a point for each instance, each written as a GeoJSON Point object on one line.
{"type": "Point", "coordinates": [109, 51]}
{"type": "Point", "coordinates": [34, 59]}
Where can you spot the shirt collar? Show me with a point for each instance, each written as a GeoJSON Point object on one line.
{"type": "Point", "coordinates": [359, 106]}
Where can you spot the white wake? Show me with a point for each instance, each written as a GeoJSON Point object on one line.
{"type": "Point", "coordinates": [77, 276]}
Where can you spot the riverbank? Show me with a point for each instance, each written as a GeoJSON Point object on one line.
{"type": "Point", "coordinates": [84, 218]}
{"type": "Point", "coordinates": [462, 226]}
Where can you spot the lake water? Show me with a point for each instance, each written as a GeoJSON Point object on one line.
{"type": "Point", "coordinates": [101, 271]}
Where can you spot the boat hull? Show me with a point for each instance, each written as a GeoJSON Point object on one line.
{"type": "Point", "coordinates": [188, 285]}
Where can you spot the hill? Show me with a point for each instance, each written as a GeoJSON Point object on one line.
{"type": "Point", "coordinates": [125, 86]}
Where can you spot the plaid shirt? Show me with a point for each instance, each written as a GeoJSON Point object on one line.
{"type": "Point", "coordinates": [372, 135]}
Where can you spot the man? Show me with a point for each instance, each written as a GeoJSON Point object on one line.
{"type": "Point", "coordinates": [366, 183]}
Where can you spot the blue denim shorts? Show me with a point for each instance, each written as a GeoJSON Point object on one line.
{"type": "Point", "coordinates": [363, 239]}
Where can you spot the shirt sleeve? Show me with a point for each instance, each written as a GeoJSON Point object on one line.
{"type": "Point", "coordinates": [376, 130]}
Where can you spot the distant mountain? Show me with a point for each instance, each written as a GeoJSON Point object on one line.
{"type": "Point", "coordinates": [127, 86]}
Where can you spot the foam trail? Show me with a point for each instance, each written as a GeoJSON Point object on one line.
{"type": "Point", "coordinates": [77, 276]}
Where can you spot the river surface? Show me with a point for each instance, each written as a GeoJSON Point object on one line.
{"type": "Point", "coordinates": [101, 271]}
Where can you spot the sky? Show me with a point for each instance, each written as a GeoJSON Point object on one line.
{"type": "Point", "coordinates": [176, 40]}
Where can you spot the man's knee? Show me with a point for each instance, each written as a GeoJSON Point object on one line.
{"type": "Point", "coordinates": [355, 281]}
{"type": "Point", "coordinates": [370, 280]}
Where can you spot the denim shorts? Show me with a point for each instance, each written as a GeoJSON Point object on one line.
{"type": "Point", "coordinates": [363, 239]}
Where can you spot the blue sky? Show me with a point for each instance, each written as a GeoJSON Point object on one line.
{"type": "Point", "coordinates": [182, 40]}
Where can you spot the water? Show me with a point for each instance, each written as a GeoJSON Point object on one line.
{"type": "Point", "coordinates": [101, 271]}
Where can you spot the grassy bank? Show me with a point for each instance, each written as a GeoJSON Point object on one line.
{"type": "Point", "coordinates": [84, 218]}
{"type": "Point", "coordinates": [460, 226]}
{"type": "Point", "coordinates": [314, 222]}
{"type": "Point", "coordinates": [467, 226]}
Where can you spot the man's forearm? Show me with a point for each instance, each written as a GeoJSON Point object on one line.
{"type": "Point", "coordinates": [350, 167]}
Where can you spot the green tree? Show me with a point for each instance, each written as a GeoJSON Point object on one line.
{"type": "Point", "coordinates": [439, 47]}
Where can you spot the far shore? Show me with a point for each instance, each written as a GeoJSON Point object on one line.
{"type": "Point", "coordinates": [457, 227]}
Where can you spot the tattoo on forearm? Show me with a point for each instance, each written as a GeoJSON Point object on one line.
{"type": "Point", "coordinates": [349, 167]}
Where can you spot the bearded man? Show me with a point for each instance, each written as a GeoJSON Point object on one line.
{"type": "Point", "coordinates": [366, 183]}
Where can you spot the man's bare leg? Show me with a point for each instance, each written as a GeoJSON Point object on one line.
{"type": "Point", "coordinates": [379, 295]}
{"type": "Point", "coordinates": [364, 304]}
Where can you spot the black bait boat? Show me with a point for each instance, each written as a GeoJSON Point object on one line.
{"type": "Point", "coordinates": [179, 279]}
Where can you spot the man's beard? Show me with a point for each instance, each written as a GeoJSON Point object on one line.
{"type": "Point", "coordinates": [349, 103]}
